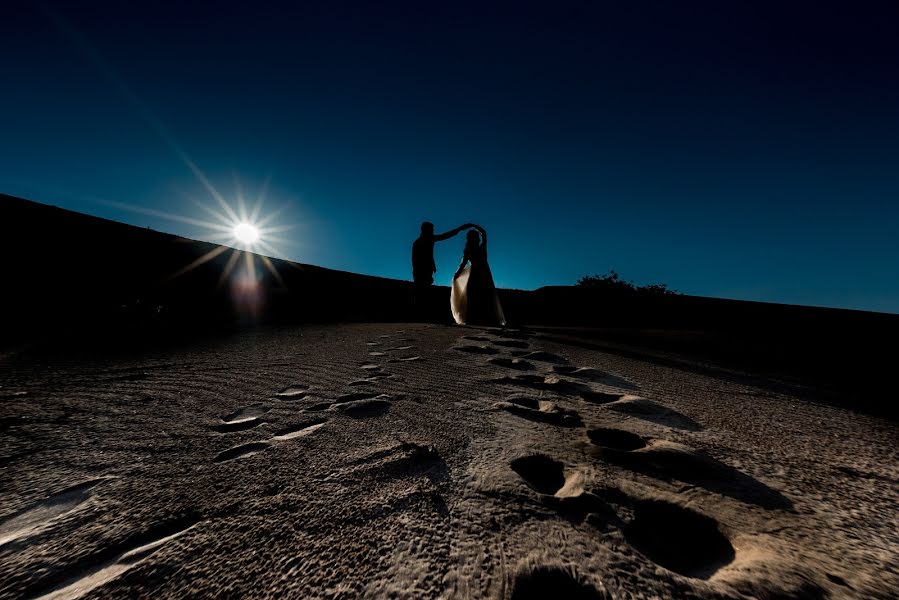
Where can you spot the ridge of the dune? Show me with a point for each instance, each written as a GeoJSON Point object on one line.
{"type": "Point", "coordinates": [71, 271]}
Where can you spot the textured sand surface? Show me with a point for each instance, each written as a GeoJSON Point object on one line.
{"type": "Point", "coordinates": [424, 461]}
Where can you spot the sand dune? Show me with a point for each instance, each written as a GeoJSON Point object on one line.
{"type": "Point", "coordinates": [463, 470]}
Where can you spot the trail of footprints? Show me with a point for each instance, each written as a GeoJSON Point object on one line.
{"type": "Point", "coordinates": [357, 404]}
{"type": "Point", "coordinates": [16, 529]}
{"type": "Point", "coordinates": [679, 539]}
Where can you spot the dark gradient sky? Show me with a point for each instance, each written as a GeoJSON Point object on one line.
{"type": "Point", "coordinates": [735, 149]}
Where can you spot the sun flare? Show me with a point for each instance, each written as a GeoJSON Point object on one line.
{"type": "Point", "coordinates": [246, 233]}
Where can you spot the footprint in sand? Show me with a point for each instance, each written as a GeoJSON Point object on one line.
{"type": "Point", "coordinates": [255, 410]}
{"type": "Point", "coordinates": [406, 359]}
{"type": "Point", "coordinates": [678, 539]}
{"type": "Point", "coordinates": [529, 381]}
{"type": "Point", "coordinates": [104, 571]}
{"type": "Point", "coordinates": [473, 349]}
{"type": "Point", "coordinates": [369, 405]}
{"type": "Point", "coordinates": [242, 419]}
{"type": "Point", "coordinates": [548, 476]}
{"type": "Point", "coordinates": [511, 363]}
{"type": "Point", "coordinates": [32, 520]}
{"type": "Point", "coordinates": [511, 343]}
{"type": "Point", "coordinates": [551, 581]}
{"type": "Point", "coordinates": [294, 392]}
{"type": "Point", "coordinates": [654, 412]}
{"type": "Point", "coordinates": [581, 372]}
{"type": "Point", "coordinates": [238, 425]}
{"type": "Point", "coordinates": [300, 430]}
{"type": "Point", "coordinates": [669, 461]}
{"type": "Point", "coordinates": [241, 451]}
{"type": "Point", "coordinates": [411, 459]}
{"type": "Point", "coordinates": [594, 397]}
{"type": "Point", "coordinates": [476, 338]}
{"type": "Point", "coordinates": [355, 396]}
{"type": "Point", "coordinates": [550, 383]}
{"type": "Point", "coordinates": [541, 410]}
{"type": "Point", "coordinates": [407, 459]}
{"type": "Point", "coordinates": [509, 334]}
{"type": "Point", "coordinates": [615, 439]}
{"type": "Point", "coordinates": [373, 378]}
{"type": "Point", "coordinates": [540, 355]}
{"type": "Point", "coordinates": [591, 374]}
{"type": "Point", "coordinates": [563, 489]}
{"type": "Point", "coordinates": [378, 375]}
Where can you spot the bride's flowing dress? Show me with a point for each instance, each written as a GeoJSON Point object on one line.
{"type": "Point", "coordinates": [473, 298]}
{"type": "Point", "coordinates": [458, 298]}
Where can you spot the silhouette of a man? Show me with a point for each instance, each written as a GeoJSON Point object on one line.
{"type": "Point", "coordinates": [423, 265]}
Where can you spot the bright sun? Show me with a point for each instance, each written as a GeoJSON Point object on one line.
{"type": "Point", "coordinates": [246, 233]}
{"type": "Point", "coordinates": [243, 230]}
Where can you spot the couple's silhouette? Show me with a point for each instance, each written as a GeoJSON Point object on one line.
{"type": "Point", "coordinates": [473, 298]}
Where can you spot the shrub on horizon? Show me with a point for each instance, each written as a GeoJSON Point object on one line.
{"type": "Point", "coordinates": [613, 282]}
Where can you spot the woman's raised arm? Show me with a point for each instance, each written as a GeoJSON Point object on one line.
{"type": "Point", "coordinates": [483, 235]}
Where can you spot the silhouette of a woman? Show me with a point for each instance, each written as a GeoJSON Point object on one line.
{"type": "Point", "coordinates": [473, 297]}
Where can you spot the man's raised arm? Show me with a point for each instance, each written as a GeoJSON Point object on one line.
{"type": "Point", "coordinates": [451, 233]}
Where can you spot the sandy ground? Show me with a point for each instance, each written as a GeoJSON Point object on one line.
{"type": "Point", "coordinates": [425, 461]}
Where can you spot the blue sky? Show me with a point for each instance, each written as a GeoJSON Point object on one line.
{"type": "Point", "coordinates": [742, 149]}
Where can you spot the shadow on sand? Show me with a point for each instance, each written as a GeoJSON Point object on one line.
{"type": "Point", "coordinates": [671, 461]}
